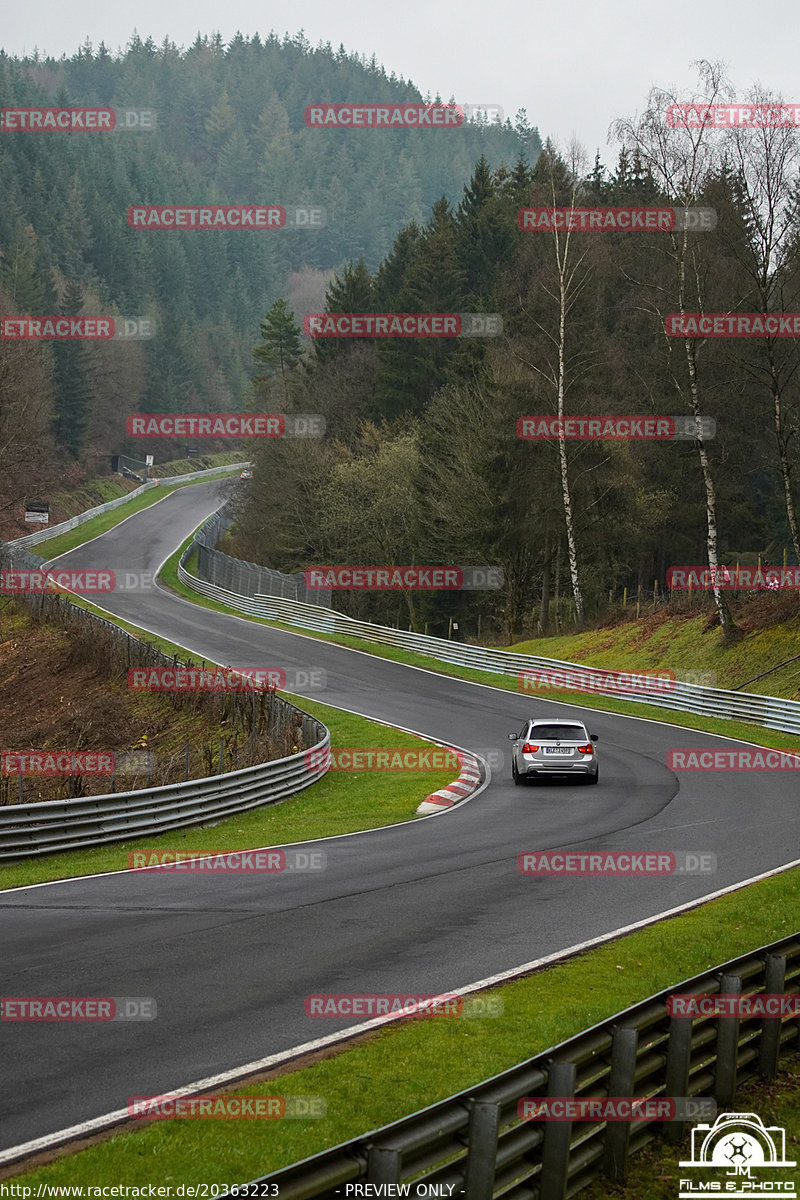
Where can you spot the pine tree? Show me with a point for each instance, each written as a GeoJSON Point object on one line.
{"type": "Point", "coordinates": [279, 350]}
{"type": "Point", "coordinates": [72, 382]}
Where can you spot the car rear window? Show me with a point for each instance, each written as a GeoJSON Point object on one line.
{"type": "Point", "coordinates": [569, 733]}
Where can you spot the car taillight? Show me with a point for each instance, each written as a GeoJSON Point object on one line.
{"type": "Point", "coordinates": [529, 748]}
{"type": "Point", "coordinates": [587, 749]}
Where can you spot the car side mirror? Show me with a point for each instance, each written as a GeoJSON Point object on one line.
{"type": "Point", "coordinates": [513, 737]}
{"type": "Point", "coordinates": [594, 737]}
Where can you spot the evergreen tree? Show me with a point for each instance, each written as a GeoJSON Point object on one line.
{"type": "Point", "coordinates": [72, 380]}
{"type": "Point", "coordinates": [279, 351]}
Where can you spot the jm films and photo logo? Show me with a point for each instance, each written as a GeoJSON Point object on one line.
{"type": "Point", "coordinates": [403, 579]}
{"type": "Point", "coordinates": [690, 758]}
{"type": "Point", "coordinates": [397, 116]}
{"type": "Point", "coordinates": [589, 679]}
{"type": "Point", "coordinates": [625, 219]}
{"type": "Point", "coordinates": [732, 325]}
{"type": "Point", "coordinates": [402, 325]}
{"type": "Point", "coordinates": [74, 120]}
{"type": "Point", "coordinates": [251, 679]}
{"type": "Point", "coordinates": [226, 216]}
{"type": "Point", "coordinates": [618, 862]}
{"type": "Point", "coordinates": [626, 429]}
{"type": "Point", "coordinates": [733, 116]}
{"type": "Point", "coordinates": [164, 1108]}
{"type": "Point", "coordinates": [733, 579]}
{"type": "Point", "coordinates": [730, 1150]}
{"type": "Point", "coordinates": [402, 1005]}
{"type": "Point", "coordinates": [264, 861]}
{"type": "Point", "coordinates": [615, 1108]}
{"type": "Point", "coordinates": [76, 329]}
{"type": "Point", "coordinates": [225, 425]}
{"type": "Point", "coordinates": [434, 759]}
{"type": "Point", "coordinates": [77, 1008]}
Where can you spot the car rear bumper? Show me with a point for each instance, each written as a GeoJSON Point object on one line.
{"type": "Point", "coordinates": [541, 769]}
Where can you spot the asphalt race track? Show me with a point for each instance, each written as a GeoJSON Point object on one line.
{"type": "Point", "coordinates": [423, 907]}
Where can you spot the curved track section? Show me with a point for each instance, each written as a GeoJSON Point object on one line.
{"type": "Point", "coordinates": [425, 907]}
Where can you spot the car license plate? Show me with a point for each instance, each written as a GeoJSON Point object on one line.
{"type": "Point", "coordinates": [557, 750]}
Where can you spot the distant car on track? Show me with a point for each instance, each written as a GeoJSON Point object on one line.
{"type": "Point", "coordinates": [246, 475]}
{"type": "Point", "coordinates": [550, 747]}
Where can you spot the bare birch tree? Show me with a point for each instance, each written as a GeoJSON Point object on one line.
{"type": "Point", "coordinates": [560, 368]}
{"type": "Point", "coordinates": [767, 160]}
{"type": "Point", "coordinates": [681, 160]}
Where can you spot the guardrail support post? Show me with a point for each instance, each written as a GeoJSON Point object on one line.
{"type": "Point", "coordinates": [484, 1121]}
{"type": "Point", "coordinates": [557, 1135]}
{"type": "Point", "coordinates": [677, 1070]}
{"type": "Point", "coordinates": [383, 1166]}
{"type": "Point", "coordinates": [620, 1083]}
{"type": "Point", "coordinates": [770, 1043]}
{"type": "Point", "coordinates": [727, 1046]}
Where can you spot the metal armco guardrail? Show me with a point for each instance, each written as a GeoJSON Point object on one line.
{"type": "Point", "coordinates": [476, 1144]}
{"type": "Point", "coordinates": [770, 712]}
{"type": "Point", "coordinates": [51, 531]}
{"type": "Point", "coordinates": [31, 829]}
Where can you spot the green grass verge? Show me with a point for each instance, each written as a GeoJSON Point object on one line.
{"type": "Point", "coordinates": [654, 1174]}
{"type": "Point", "coordinates": [339, 803]}
{"type": "Point", "coordinates": [416, 1063]}
{"type": "Point", "coordinates": [362, 1086]}
{"type": "Point", "coordinates": [687, 643]}
{"type": "Point", "coordinates": [733, 729]}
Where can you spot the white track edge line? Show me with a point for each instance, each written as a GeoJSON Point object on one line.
{"type": "Point", "coordinates": [96, 1124]}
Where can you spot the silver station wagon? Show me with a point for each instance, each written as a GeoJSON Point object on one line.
{"type": "Point", "coordinates": [550, 747]}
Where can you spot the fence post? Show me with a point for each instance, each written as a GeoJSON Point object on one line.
{"type": "Point", "coordinates": [727, 1046]}
{"type": "Point", "coordinates": [679, 1050]}
{"type": "Point", "coordinates": [383, 1166]}
{"type": "Point", "coordinates": [770, 1042]}
{"type": "Point", "coordinates": [620, 1083]}
{"type": "Point", "coordinates": [484, 1121]}
{"type": "Point", "coordinates": [557, 1135]}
